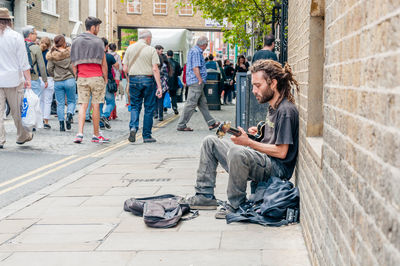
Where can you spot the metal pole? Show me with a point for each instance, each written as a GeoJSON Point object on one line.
{"type": "Point", "coordinates": [228, 49]}
{"type": "Point", "coordinates": [236, 52]}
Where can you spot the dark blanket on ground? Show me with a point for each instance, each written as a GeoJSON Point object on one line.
{"type": "Point", "coordinates": [274, 203]}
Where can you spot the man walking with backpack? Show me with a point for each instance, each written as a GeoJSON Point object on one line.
{"type": "Point", "coordinates": [36, 60]}
{"type": "Point", "coordinates": [14, 68]}
{"type": "Point", "coordinates": [90, 66]}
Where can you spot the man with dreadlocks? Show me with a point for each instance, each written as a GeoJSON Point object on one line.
{"type": "Point", "coordinates": [245, 159]}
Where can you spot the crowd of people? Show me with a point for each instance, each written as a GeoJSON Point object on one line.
{"type": "Point", "coordinates": [90, 73]}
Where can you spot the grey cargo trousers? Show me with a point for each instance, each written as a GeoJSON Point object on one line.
{"type": "Point", "coordinates": [242, 164]}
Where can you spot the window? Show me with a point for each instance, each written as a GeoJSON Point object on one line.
{"type": "Point", "coordinates": [160, 7]}
{"type": "Point", "coordinates": [186, 9]}
{"type": "Point", "coordinates": [134, 6]}
{"type": "Point", "coordinates": [92, 8]}
{"type": "Point", "coordinates": [49, 6]}
{"type": "Point", "coordinates": [74, 10]}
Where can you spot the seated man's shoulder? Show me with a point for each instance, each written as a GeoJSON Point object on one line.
{"type": "Point", "coordinates": [287, 108]}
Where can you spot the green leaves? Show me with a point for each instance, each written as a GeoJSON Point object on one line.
{"type": "Point", "coordinates": [245, 18]}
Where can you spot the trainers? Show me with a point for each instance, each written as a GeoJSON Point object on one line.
{"type": "Point", "coordinates": [132, 135]}
{"type": "Point", "coordinates": [226, 208]}
{"type": "Point", "coordinates": [200, 202]}
{"type": "Point", "coordinates": [100, 139]}
{"type": "Point", "coordinates": [149, 140]}
{"type": "Point", "coordinates": [46, 126]}
{"type": "Point", "coordinates": [78, 138]}
{"type": "Point", "coordinates": [105, 122]}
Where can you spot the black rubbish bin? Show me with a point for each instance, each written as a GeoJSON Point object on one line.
{"type": "Point", "coordinates": [211, 89]}
{"type": "Point", "coordinates": [248, 111]}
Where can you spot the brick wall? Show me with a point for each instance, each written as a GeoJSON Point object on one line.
{"type": "Point", "coordinates": [350, 189]}
{"type": "Point", "coordinates": [147, 19]}
{"type": "Point", "coordinates": [61, 24]}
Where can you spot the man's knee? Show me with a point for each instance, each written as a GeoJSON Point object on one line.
{"type": "Point", "coordinates": [209, 141]}
{"type": "Point", "coordinates": [236, 155]}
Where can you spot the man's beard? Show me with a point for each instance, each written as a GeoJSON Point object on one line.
{"type": "Point", "coordinates": [267, 95]}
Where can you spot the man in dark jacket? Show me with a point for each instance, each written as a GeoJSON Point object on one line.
{"type": "Point", "coordinates": [173, 80]}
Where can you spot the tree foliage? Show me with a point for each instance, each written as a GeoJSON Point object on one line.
{"type": "Point", "coordinates": [242, 16]}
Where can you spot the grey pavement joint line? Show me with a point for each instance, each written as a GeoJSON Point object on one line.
{"type": "Point", "coordinates": [101, 152]}
{"type": "Point", "coordinates": [24, 202]}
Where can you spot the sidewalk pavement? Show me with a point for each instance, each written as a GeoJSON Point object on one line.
{"type": "Point", "coordinates": [80, 220]}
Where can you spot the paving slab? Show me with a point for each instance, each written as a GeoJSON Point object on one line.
{"type": "Point", "coordinates": [15, 226]}
{"type": "Point", "coordinates": [105, 201]}
{"type": "Point", "coordinates": [68, 258]}
{"type": "Point", "coordinates": [285, 257]}
{"type": "Point", "coordinates": [197, 258]}
{"type": "Point", "coordinates": [132, 223]}
{"type": "Point", "coordinates": [4, 255]}
{"type": "Point", "coordinates": [80, 191]}
{"type": "Point", "coordinates": [162, 240]}
{"type": "Point", "coordinates": [133, 191]}
{"type": "Point", "coordinates": [59, 238]}
{"type": "Point", "coordinates": [68, 212]}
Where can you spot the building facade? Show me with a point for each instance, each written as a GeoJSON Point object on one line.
{"type": "Point", "coordinates": [345, 54]}
{"type": "Point", "coordinates": [67, 17]}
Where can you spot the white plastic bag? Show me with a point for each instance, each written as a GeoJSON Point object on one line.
{"type": "Point", "coordinates": [30, 111]}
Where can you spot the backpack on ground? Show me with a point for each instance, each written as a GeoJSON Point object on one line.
{"type": "Point", "coordinates": [274, 203]}
{"type": "Point", "coordinates": [162, 211]}
{"type": "Point", "coordinates": [28, 51]}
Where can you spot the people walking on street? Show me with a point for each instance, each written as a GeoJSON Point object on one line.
{"type": "Point", "coordinates": [110, 95]}
{"type": "Point", "coordinates": [141, 63]}
{"type": "Point", "coordinates": [246, 159]}
{"type": "Point", "coordinates": [60, 68]}
{"type": "Point", "coordinates": [117, 73]}
{"type": "Point", "coordinates": [38, 66]}
{"type": "Point", "coordinates": [14, 76]}
{"type": "Point", "coordinates": [165, 74]}
{"type": "Point", "coordinates": [173, 80]}
{"type": "Point", "coordinates": [268, 51]}
{"type": "Point", "coordinates": [46, 97]}
{"type": "Point", "coordinates": [90, 66]}
{"type": "Point", "coordinates": [228, 84]}
{"type": "Point", "coordinates": [196, 76]}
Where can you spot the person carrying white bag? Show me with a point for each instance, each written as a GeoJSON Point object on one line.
{"type": "Point", "coordinates": [30, 111]}
{"type": "Point", "coordinates": [13, 63]}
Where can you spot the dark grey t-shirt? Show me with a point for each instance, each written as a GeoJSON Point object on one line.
{"type": "Point", "coordinates": [282, 127]}
{"type": "Point", "coordinates": [264, 54]}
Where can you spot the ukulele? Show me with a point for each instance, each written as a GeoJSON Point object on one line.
{"type": "Point", "coordinates": [226, 127]}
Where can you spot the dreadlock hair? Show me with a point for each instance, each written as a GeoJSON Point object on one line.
{"type": "Point", "coordinates": [283, 75]}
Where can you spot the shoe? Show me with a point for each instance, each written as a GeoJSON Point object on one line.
{"type": "Point", "coordinates": [184, 129]}
{"type": "Point", "coordinates": [102, 126]}
{"type": "Point", "coordinates": [215, 125]}
{"type": "Point", "coordinates": [161, 119]}
{"type": "Point", "coordinates": [1, 146]}
{"type": "Point", "coordinates": [62, 126]}
{"type": "Point", "coordinates": [132, 135]}
{"type": "Point", "coordinates": [88, 120]}
{"type": "Point", "coordinates": [28, 139]}
{"type": "Point", "coordinates": [105, 122]}
{"type": "Point", "coordinates": [156, 116]}
{"type": "Point", "coordinates": [100, 139]}
{"type": "Point", "coordinates": [200, 202]}
{"type": "Point", "coordinates": [176, 112]}
{"type": "Point", "coordinates": [46, 126]}
{"type": "Point", "coordinates": [33, 129]}
{"type": "Point", "coordinates": [165, 109]}
{"type": "Point", "coordinates": [68, 121]}
{"type": "Point", "coordinates": [226, 208]}
{"type": "Point", "coordinates": [149, 140]}
{"type": "Point", "coordinates": [78, 138]}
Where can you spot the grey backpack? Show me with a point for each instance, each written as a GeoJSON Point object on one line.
{"type": "Point", "coordinates": [162, 211]}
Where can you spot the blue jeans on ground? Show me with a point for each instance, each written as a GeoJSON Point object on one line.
{"type": "Point", "coordinates": [62, 88]}
{"type": "Point", "coordinates": [142, 89]}
{"type": "Point", "coordinates": [160, 106]}
{"type": "Point", "coordinates": [36, 87]}
{"type": "Point", "coordinates": [110, 104]}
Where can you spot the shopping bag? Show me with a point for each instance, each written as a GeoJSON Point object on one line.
{"type": "Point", "coordinates": [167, 100]}
{"type": "Point", "coordinates": [30, 111]}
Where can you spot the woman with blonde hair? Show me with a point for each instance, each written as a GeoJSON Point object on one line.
{"type": "Point", "coordinates": [60, 68]}
{"type": "Point", "coordinates": [46, 97]}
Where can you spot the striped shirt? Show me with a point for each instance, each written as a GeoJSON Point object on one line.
{"type": "Point", "coordinates": [195, 59]}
